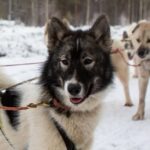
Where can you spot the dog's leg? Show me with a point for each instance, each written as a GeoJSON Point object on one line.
{"type": "Point", "coordinates": [143, 82]}
{"type": "Point", "coordinates": [123, 76]}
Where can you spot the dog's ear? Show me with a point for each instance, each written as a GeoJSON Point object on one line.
{"type": "Point", "coordinates": [125, 35]}
{"type": "Point", "coordinates": [54, 32]}
{"type": "Point", "coordinates": [66, 22]}
{"type": "Point", "coordinates": [101, 30]}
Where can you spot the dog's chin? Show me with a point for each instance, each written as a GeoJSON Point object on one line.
{"type": "Point", "coordinates": [76, 100]}
{"type": "Point", "coordinates": [82, 104]}
{"type": "Point", "coordinates": [87, 104]}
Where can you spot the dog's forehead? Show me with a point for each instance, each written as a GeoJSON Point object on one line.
{"type": "Point", "coordinates": [143, 35]}
{"type": "Point", "coordinates": [78, 41]}
{"type": "Point", "coordinates": [79, 36]}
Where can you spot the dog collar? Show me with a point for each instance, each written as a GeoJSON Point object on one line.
{"type": "Point", "coordinates": [59, 107]}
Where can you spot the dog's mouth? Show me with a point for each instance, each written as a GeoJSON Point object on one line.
{"type": "Point", "coordinates": [76, 100]}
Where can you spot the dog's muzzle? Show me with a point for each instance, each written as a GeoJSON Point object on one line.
{"type": "Point", "coordinates": [74, 89]}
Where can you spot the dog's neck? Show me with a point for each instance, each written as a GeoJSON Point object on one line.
{"type": "Point", "coordinates": [59, 107]}
{"type": "Point", "coordinates": [76, 126]}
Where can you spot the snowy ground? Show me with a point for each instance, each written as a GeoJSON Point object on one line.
{"type": "Point", "coordinates": [116, 130]}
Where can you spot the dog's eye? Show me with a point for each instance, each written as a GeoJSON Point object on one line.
{"type": "Point", "coordinates": [87, 61]}
{"type": "Point", "coordinates": [148, 40]}
{"type": "Point", "coordinates": [65, 62]}
{"type": "Point", "coordinates": [138, 40]}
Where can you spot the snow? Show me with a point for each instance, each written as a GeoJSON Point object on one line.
{"type": "Point", "coordinates": [19, 40]}
{"type": "Point", "coordinates": [116, 130]}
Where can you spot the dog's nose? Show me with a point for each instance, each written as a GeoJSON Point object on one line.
{"type": "Point", "coordinates": [74, 89]}
{"type": "Point", "coordinates": [142, 52]}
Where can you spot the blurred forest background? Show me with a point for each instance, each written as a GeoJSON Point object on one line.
{"type": "Point", "coordinates": [78, 12]}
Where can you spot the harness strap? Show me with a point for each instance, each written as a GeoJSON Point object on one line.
{"type": "Point", "coordinates": [6, 138]}
{"type": "Point", "coordinates": [68, 142]}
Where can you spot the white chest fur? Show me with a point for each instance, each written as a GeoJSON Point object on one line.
{"type": "Point", "coordinates": [79, 127]}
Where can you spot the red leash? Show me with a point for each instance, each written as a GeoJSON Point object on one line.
{"type": "Point", "coordinates": [13, 108]}
{"type": "Point", "coordinates": [54, 103]}
{"type": "Point", "coordinates": [31, 105]}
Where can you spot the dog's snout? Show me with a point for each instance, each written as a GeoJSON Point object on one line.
{"type": "Point", "coordinates": [142, 52]}
{"type": "Point", "coordinates": [74, 89]}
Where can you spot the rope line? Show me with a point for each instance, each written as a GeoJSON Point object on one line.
{"type": "Point", "coordinates": [21, 64]}
{"type": "Point", "coordinates": [20, 83]}
{"type": "Point", "coordinates": [29, 106]}
{"type": "Point", "coordinates": [6, 138]}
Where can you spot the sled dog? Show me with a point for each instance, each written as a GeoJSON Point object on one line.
{"type": "Point", "coordinates": [74, 80]}
{"type": "Point", "coordinates": [140, 38]}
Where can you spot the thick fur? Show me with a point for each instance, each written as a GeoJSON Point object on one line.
{"type": "Point", "coordinates": [78, 73]}
{"type": "Point", "coordinates": [121, 68]}
{"type": "Point", "coordinates": [140, 38]}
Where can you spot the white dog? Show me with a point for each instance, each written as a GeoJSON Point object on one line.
{"type": "Point", "coordinates": [140, 38]}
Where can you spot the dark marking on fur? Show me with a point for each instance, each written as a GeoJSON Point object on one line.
{"type": "Point", "coordinates": [10, 98]}
{"type": "Point", "coordinates": [136, 27]}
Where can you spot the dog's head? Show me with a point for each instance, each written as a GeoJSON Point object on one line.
{"type": "Point", "coordinates": [128, 42]}
{"type": "Point", "coordinates": [141, 35]}
{"type": "Point", "coordinates": [78, 68]}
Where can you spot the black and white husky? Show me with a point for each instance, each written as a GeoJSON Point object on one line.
{"type": "Point", "coordinates": [74, 80]}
